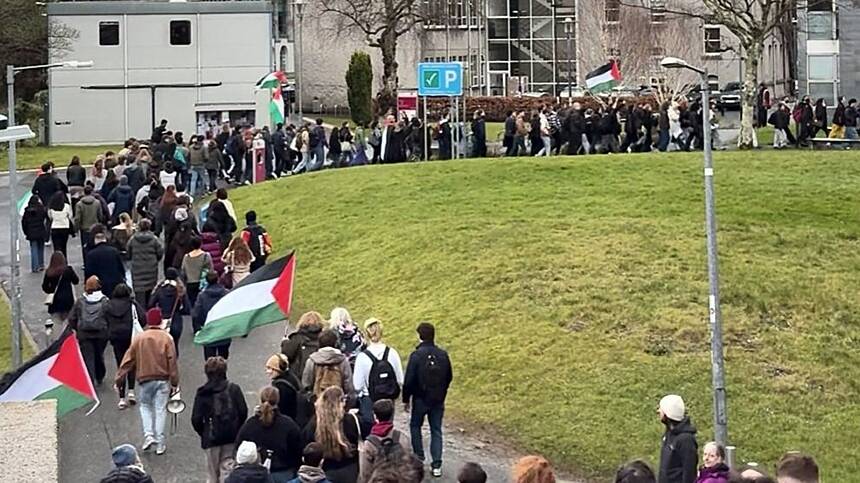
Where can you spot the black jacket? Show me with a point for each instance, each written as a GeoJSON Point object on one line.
{"type": "Point", "coordinates": [288, 387]}
{"type": "Point", "coordinates": [46, 185]}
{"type": "Point", "coordinates": [679, 454]}
{"type": "Point", "coordinates": [33, 223]}
{"type": "Point", "coordinates": [851, 116]}
{"type": "Point", "coordinates": [253, 473]}
{"type": "Point", "coordinates": [126, 474]}
{"type": "Point", "coordinates": [292, 348]}
{"type": "Point", "coordinates": [136, 176]}
{"type": "Point", "coordinates": [105, 262]}
{"type": "Point", "coordinates": [205, 301]}
{"type": "Point", "coordinates": [123, 199]}
{"type": "Point", "coordinates": [201, 415]}
{"type": "Point", "coordinates": [164, 298]}
{"type": "Point", "coordinates": [64, 296]}
{"type": "Point", "coordinates": [413, 387]}
{"type": "Point", "coordinates": [76, 175]}
{"type": "Point", "coordinates": [119, 318]}
{"type": "Point", "coordinates": [283, 439]}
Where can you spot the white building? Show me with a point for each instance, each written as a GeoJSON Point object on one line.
{"type": "Point", "coordinates": [157, 56]}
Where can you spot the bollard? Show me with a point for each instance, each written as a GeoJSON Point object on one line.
{"type": "Point", "coordinates": [730, 456]}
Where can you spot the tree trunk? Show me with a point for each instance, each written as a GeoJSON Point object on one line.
{"type": "Point", "coordinates": [387, 97]}
{"type": "Point", "coordinates": [753, 55]}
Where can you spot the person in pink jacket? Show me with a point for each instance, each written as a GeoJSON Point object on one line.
{"type": "Point", "coordinates": [715, 469]}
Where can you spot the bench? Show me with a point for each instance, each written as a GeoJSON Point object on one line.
{"type": "Point", "coordinates": [830, 143]}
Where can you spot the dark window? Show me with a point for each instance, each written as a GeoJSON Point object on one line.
{"type": "Point", "coordinates": [712, 40]}
{"type": "Point", "coordinates": [180, 32]}
{"type": "Point", "coordinates": [108, 33]}
{"type": "Point", "coordinates": [819, 5]}
{"type": "Point", "coordinates": [613, 10]}
{"type": "Point", "coordinates": [658, 11]}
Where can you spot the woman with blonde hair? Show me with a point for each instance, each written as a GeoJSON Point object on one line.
{"type": "Point", "coordinates": [277, 437]}
{"type": "Point", "coordinates": [339, 433]}
{"type": "Point", "coordinates": [299, 345]}
{"type": "Point", "coordinates": [376, 352]}
{"type": "Point", "coordinates": [533, 469]}
{"type": "Point", "coordinates": [350, 340]}
{"type": "Point", "coordinates": [122, 233]}
{"type": "Point", "coordinates": [238, 259]}
{"type": "Point", "coordinates": [278, 370]}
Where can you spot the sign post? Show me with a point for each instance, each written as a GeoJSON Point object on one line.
{"type": "Point", "coordinates": [441, 79]}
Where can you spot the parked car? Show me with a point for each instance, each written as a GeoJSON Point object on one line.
{"type": "Point", "coordinates": [730, 96]}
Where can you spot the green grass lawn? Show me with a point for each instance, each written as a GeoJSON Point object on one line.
{"type": "Point", "coordinates": [572, 292]}
{"type": "Point", "coordinates": [6, 339]}
{"type": "Point", "coordinates": [30, 157]}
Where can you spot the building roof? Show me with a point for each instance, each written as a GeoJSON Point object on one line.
{"type": "Point", "coordinates": [155, 7]}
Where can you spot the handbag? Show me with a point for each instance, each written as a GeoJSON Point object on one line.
{"type": "Point", "coordinates": [49, 299]}
{"type": "Point", "coordinates": [136, 329]}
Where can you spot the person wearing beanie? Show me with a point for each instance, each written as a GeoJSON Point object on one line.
{"type": "Point", "coordinates": [311, 470]}
{"type": "Point", "coordinates": [258, 240]}
{"type": "Point", "coordinates": [248, 469]}
{"type": "Point", "coordinates": [679, 455]}
{"type": "Point", "coordinates": [152, 357]}
{"type": "Point", "coordinates": [87, 318]}
{"type": "Point", "coordinates": [171, 297]}
{"type": "Point", "coordinates": [128, 468]}
{"type": "Point", "coordinates": [287, 384]}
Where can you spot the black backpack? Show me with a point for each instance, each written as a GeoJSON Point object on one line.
{"type": "Point", "coordinates": [431, 376]}
{"type": "Point", "coordinates": [388, 449]}
{"type": "Point", "coordinates": [92, 317]}
{"type": "Point", "coordinates": [382, 383]}
{"type": "Point", "coordinates": [223, 418]}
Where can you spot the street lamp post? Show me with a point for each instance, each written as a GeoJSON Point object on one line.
{"type": "Point", "coordinates": [568, 31]}
{"type": "Point", "coordinates": [15, 286]}
{"type": "Point", "coordinates": [299, 4]}
{"type": "Point", "coordinates": [718, 370]}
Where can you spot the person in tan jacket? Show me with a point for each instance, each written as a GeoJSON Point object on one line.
{"type": "Point", "coordinates": [152, 356]}
{"type": "Point", "coordinates": [386, 447]}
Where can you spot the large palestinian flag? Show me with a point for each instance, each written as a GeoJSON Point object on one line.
{"type": "Point", "coordinates": [274, 81]}
{"type": "Point", "coordinates": [58, 373]}
{"type": "Point", "coordinates": [263, 297]}
{"type": "Point", "coordinates": [603, 78]}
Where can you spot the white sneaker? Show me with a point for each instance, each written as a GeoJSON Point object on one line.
{"type": "Point", "coordinates": [121, 404]}
{"type": "Point", "coordinates": [148, 442]}
{"type": "Point", "coordinates": [131, 398]}
{"type": "Point", "coordinates": [161, 448]}
{"type": "Point", "coordinates": [437, 472]}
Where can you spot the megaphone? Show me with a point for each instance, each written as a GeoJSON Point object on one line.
{"type": "Point", "coordinates": [175, 405]}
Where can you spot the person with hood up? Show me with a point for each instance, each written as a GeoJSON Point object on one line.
{"type": "Point", "coordinates": [679, 452]}
{"type": "Point", "coordinates": [382, 435]}
{"type": "Point", "coordinates": [104, 261]}
{"type": "Point", "coordinates": [88, 320]}
{"type": "Point", "coordinates": [299, 345]}
{"type": "Point", "coordinates": [350, 340]}
{"type": "Point", "coordinates": [378, 371]}
{"type": "Point", "coordinates": [128, 467]}
{"type": "Point", "coordinates": [278, 370]}
{"type": "Point", "coordinates": [122, 198]}
{"type": "Point", "coordinates": [311, 470]}
{"type": "Point", "coordinates": [181, 237]}
{"type": "Point", "coordinates": [144, 253]}
{"type": "Point", "coordinates": [172, 299]}
{"type": "Point", "coordinates": [34, 225]}
{"type": "Point", "coordinates": [327, 367]}
{"type": "Point", "coordinates": [122, 314]}
{"type": "Point", "coordinates": [714, 470]}
{"type": "Point", "coordinates": [205, 301]}
{"type": "Point", "coordinates": [219, 411]}
{"type": "Point", "coordinates": [277, 436]}
{"type": "Point", "coordinates": [248, 469]}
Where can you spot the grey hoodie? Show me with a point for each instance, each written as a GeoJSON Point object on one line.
{"type": "Point", "coordinates": [328, 356]}
{"type": "Point", "coordinates": [311, 474]}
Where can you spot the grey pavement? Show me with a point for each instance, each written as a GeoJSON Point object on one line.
{"type": "Point", "coordinates": [86, 441]}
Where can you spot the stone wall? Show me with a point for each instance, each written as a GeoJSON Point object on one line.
{"type": "Point", "coordinates": [29, 441]}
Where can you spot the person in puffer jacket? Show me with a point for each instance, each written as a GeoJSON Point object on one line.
{"type": "Point", "coordinates": [128, 469]}
{"type": "Point", "coordinates": [311, 471]}
{"type": "Point", "coordinates": [123, 199]}
{"type": "Point", "coordinates": [121, 313]}
{"type": "Point", "coordinates": [211, 244]}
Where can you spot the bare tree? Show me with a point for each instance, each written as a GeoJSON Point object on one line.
{"type": "Point", "coordinates": [382, 23]}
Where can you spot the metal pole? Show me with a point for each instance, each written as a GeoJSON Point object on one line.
{"type": "Point", "coordinates": [567, 29]}
{"type": "Point", "coordinates": [13, 224]}
{"type": "Point", "coordinates": [468, 47]}
{"type": "Point", "coordinates": [152, 105]}
{"type": "Point", "coordinates": [426, 141]}
{"type": "Point", "coordinates": [721, 432]}
{"type": "Point", "coordinates": [299, 84]}
{"type": "Point", "coordinates": [451, 107]}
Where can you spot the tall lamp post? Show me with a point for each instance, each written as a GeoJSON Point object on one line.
{"type": "Point", "coordinates": [718, 370]}
{"type": "Point", "coordinates": [568, 32]}
{"type": "Point", "coordinates": [15, 286]}
{"type": "Point", "coordinates": [299, 5]}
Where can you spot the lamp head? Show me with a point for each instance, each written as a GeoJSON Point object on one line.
{"type": "Point", "coordinates": [77, 64]}
{"type": "Point", "coordinates": [674, 63]}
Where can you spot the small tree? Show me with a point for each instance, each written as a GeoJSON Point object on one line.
{"type": "Point", "coordinates": [359, 83]}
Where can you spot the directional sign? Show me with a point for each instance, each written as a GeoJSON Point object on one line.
{"type": "Point", "coordinates": [440, 79]}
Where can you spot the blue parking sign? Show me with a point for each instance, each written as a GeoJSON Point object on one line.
{"type": "Point", "coordinates": [440, 79]}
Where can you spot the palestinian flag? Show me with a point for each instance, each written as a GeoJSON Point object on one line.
{"type": "Point", "coordinates": [263, 297]}
{"type": "Point", "coordinates": [272, 81]}
{"type": "Point", "coordinates": [276, 106]}
{"type": "Point", "coordinates": [604, 78]}
{"type": "Point", "coordinates": [58, 372]}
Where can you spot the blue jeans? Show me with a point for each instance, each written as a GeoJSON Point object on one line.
{"type": "Point", "coordinates": [851, 132]}
{"type": "Point", "coordinates": [434, 417]}
{"type": "Point", "coordinates": [663, 140]}
{"type": "Point", "coordinates": [198, 175]}
{"type": "Point", "coordinates": [365, 409]}
{"type": "Point", "coordinates": [318, 158]}
{"type": "Point", "coordinates": [152, 398]}
{"type": "Point", "coordinates": [37, 255]}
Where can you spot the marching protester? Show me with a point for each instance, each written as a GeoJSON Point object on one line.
{"type": "Point", "coordinates": [127, 466]}
{"type": "Point", "coordinates": [248, 468]}
{"type": "Point", "coordinates": [385, 444]}
{"type": "Point", "coordinates": [171, 298]}
{"type": "Point", "coordinates": [62, 221]}
{"type": "Point", "coordinates": [425, 387]}
{"type": "Point", "coordinates": [351, 342]}
{"type": "Point", "coordinates": [311, 470]}
{"type": "Point", "coordinates": [58, 284]}
{"type": "Point", "coordinates": [378, 371]}
{"type": "Point", "coordinates": [471, 473]}
{"type": "Point", "coordinates": [205, 301]}
{"type": "Point", "coordinates": [144, 252]}
{"type": "Point", "coordinates": [47, 184]}
{"type": "Point", "coordinates": [220, 221]}
{"type": "Point", "coordinates": [278, 370]}
{"type": "Point", "coordinates": [714, 469]}
{"type": "Point", "coordinates": [339, 432]}
{"type": "Point", "coordinates": [258, 240]}
{"type": "Point", "coordinates": [121, 234]}
{"type": "Point", "coordinates": [34, 225]}
{"type": "Point", "coordinates": [327, 367]}
{"type": "Point", "coordinates": [222, 196]}
{"type": "Point", "coordinates": [219, 411]}
{"type": "Point", "coordinates": [88, 320]}
{"type": "Point", "coordinates": [796, 467]}
{"type": "Point", "coordinates": [124, 316]}
{"type": "Point", "coordinates": [104, 261]}
{"type": "Point", "coordinates": [679, 453]}
{"type": "Point", "coordinates": [196, 265]}
{"type": "Point", "coordinates": [152, 357]}
{"type": "Point", "coordinates": [533, 469]}
{"type": "Point", "coordinates": [89, 212]}
{"type": "Point", "coordinates": [76, 177]}
{"type": "Point", "coordinates": [211, 244]}
{"type": "Point", "coordinates": [299, 345]}
{"type": "Point", "coordinates": [277, 437]}
{"type": "Point", "coordinates": [238, 260]}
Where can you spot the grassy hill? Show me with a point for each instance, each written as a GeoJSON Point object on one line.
{"type": "Point", "coordinates": [572, 292]}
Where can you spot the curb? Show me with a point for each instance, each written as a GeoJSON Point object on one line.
{"type": "Point", "coordinates": [25, 331]}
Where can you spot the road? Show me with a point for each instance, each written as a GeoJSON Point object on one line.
{"type": "Point", "coordinates": [86, 441]}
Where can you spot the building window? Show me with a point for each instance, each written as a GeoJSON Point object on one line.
{"type": "Point", "coordinates": [658, 51]}
{"type": "Point", "coordinates": [614, 52]}
{"type": "Point", "coordinates": [283, 58]}
{"type": "Point", "coordinates": [820, 24]}
{"type": "Point", "coordinates": [712, 40]}
{"type": "Point", "coordinates": [823, 90]}
{"type": "Point", "coordinates": [108, 33]}
{"type": "Point", "coordinates": [180, 32]}
{"type": "Point", "coordinates": [613, 11]}
{"type": "Point", "coordinates": [822, 67]}
{"type": "Point", "coordinates": [658, 11]}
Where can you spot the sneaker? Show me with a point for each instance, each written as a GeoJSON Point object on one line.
{"type": "Point", "coordinates": [121, 404]}
{"type": "Point", "coordinates": [148, 442]}
{"type": "Point", "coordinates": [437, 472]}
{"type": "Point", "coordinates": [161, 448]}
{"type": "Point", "coordinates": [131, 399]}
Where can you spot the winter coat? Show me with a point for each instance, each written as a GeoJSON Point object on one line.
{"type": "Point", "coordinates": [211, 244]}
{"type": "Point", "coordinates": [76, 175]}
{"type": "Point", "coordinates": [119, 238]}
{"type": "Point", "coordinates": [347, 467]}
{"type": "Point", "coordinates": [46, 185]}
{"type": "Point", "coordinates": [288, 387]}
{"type": "Point", "coordinates": [213, 159]}
{"type": "Point", "coordinates": [90, 300]}
{"type": "Point", "coordinates": [144, 251]}
{"type": "Point", "coordinates": [135, 175]}
{"type": "Point", "coordinates": [164, 298]}
{"type": "Point", "coordinates": [198, 155]}
{"type": "Point", "coordinates": [310, 474]}
{"type": "Point", "coordinates": [123, 199]}
{"type": "Point", "coordinates": [328, 356]}
{"type": "Point", "coordinates": [62, 220]}
{"type": "Point", "coordinates": [413, 387]}
{"type": "Point", "coordinates": [851, 116]}
{"type": "Point", "coordinates": [180, 244]}
{"type": "Point", "coordinates": [127, 474]}
{"type": "Point", "coordinates": [33, 223]}
{"type": "Point", "coordinates": [839, 115]}
{"type": "Point", "coordinates": [105, 262]}
{"type": "Point", "coordinates": [205, 301]}
{"type": "Point", "coordinates": [64, 295]}
{"type": "Point", "coordinates": [715, 474]}
{"type": "Point", "coordinates": [222, 224]}
{"type": "Point", "coordinates": [119, 318]}
{"type": "Point", "coordinates": [88, 212]}
{"type": "Point", "coordinates": [283, 438]}
{"type": "Point", "coordinates": [292, 347]}
{"type": "Point", "coordinates": [679, 454]}
{"type": "Point", "coordinates": [251, 473]}
{"type": "Point", "coordinates": [201, 415]}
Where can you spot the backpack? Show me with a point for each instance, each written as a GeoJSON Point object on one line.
{"type": "Point", "coordinates": [258, 241]}
{"type": "Point", "coordinates": [222, 420]}
{"type": "Point", "coordinates": [179, 158]}
{"type": "Point", "coordinates": [326, 376]}
{"type": "Point", "coordinates": [382, 383]}
{"type": "Point", "coordinates": [431, 377]}
{"type": "Point", "coordinates": [349, 343]}
{"type": "Point", "coordinates": [92, 317]}
{"type": "Point", "coordinates": [313, 138]}
{"type": "Point", "coordinates": [388, 449]}
{"type": "Point", "coordinates": [307, 348]}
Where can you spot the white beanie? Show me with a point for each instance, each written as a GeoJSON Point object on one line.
{"type": "Point", "coordinates": [673, 407]}
{"type": "Point", "coordinates": [247, 453]}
